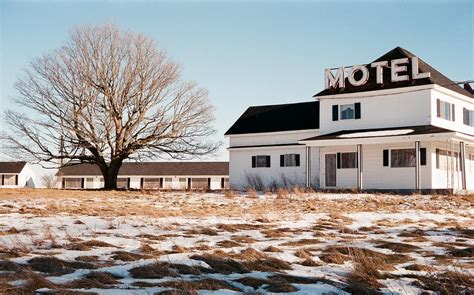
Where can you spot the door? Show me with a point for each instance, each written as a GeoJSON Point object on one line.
{"type": "Point", "coordinates": [330, 169]}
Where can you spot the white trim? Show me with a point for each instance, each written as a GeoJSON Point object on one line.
{"type": "Point", "coordinates": [380, 140]}
{"type": "Point", "coordinates": [271, 133]}
{"type": "Point", "coordinates": [450, 92]}
{"type": "Point", "coordinates": [382, 92]}
{"type": "Point", "coordinates": [247, 148]}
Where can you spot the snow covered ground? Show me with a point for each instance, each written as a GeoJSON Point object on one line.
{"type": "Point", "coordinates": [233, 243]}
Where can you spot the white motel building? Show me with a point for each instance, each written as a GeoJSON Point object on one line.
{"type": "Point", "coordinates": [393, 124]}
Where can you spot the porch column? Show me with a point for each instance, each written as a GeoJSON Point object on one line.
{"type": "Point", "coordinates": [462, 150]}
{"type": "Point", "coordinates": [360, 180]}
{"type": "Point", "coordinates": [417, 166]}
{"type": "Point", "coordinates": [308, 167]}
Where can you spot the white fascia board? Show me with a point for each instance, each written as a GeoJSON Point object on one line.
{"type": "Point", "coordinates": [272, 133]}
{"type": "Point", "coordinates": [382, 92]}
{"type": "Point", "coordinates": [379, 140]}
{"type": "Point", "coordinates": [455, 94]}
{"type": "Point", "coordinates": [237, 148]}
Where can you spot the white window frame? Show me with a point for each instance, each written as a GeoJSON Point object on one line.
{"type": "Point", "coordinates": [265, 164]}
{"type": "Point", "coordinates": [343, 107]}
{"type": "Point", "coordinates": [355, 161]}
{"type": "Point", "coordinates": [399, 148]}
{"type": "Point", "coordinates": [445, 110]}
{"type": "Point", "coordinates": [289, 160]}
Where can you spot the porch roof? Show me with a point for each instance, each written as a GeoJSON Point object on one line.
{"type": "Point", "coordinates": [384, 135]}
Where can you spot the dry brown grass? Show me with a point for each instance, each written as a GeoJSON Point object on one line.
{"type": "Point", "coordinates": [54, 266]}
{"type": "Point", "coordinates": [135, 203]}
{"type": "Point", "coordinates": [302, 242]}
{"type": "Point", "coordinates": [164, 269]}
{"type": "Point", "coordinates": [272, 249]}
{"type": "Point", "coordinates": [363, 279]}
{"type": "Point", "coordinates": [397, 247]}
{"type": "Point", "coordinates": [448, 283]}
{"type": "Point", "coordinates": [128, 256]}
{"type": "Point", "coordinates": [302, 253]}
{"type": "Point", "coordinates": [202, 284]}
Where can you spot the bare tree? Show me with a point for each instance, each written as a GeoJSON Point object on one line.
{"type": "Point", "coordinates": [106, 96]}
{"type": "Point", "coordinates": [49, 180]}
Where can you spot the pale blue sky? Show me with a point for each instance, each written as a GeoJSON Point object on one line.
{"type": "Point", "coordinates": [252, 52]}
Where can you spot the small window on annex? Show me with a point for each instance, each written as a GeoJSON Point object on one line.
{"type": "Point", "coordinates": [445, 110]}
{"type": "Point", "coordinates": [289, 160]}
{"type": "Point", "coordinates": [260, 161]}
{"type": "Point", "coordinates": [445, 161]}
{"type": "Point", "coordinates": [347, 111]}
{"type": "Point", "coordinates": [403, 158]}
{"type": "Point", "coordinates": [348, 160]}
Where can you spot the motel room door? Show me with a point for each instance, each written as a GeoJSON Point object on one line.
{"type": "Point", "coordinates": [330, 169]}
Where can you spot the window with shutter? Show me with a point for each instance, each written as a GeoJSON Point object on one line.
{"type": "Point", "coordinates": [348, 160]}
{"type": "Point", "coordinates": [347, 111]}
{"type": "Point", "coordinates": [290, 160]}
{"type": "Point", "coordinates": [260, 161]}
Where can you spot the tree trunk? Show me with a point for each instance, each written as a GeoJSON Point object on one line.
{"type": "Point", "coordinates": [110, 174]}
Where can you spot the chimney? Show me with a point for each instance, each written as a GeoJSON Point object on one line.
{"type": "Point", "coordinates": [468, 87]}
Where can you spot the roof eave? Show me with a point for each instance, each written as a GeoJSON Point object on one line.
{"type": "Point", "coordinates": [380, 139]}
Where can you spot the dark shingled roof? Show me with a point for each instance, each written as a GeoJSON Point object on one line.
{"type": "Point", "coordinates": [152, 168]}
{"type": "Point", "coordinates": [417, 130]}
{"type": "Point", "coordinates": [398, 52]}
{"type": "Point", "coordinates": [282, 117]}
{"type": "Point", "coordinates": [11, 167]}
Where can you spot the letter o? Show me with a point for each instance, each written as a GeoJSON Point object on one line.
{"type": "Point", "coordinates": [361, 81]}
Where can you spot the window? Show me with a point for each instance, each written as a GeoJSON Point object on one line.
{"type": "Point", "coordinates": [445, 110]}
{"type": "Point", "coordinates": [167, 183]}
{"type": "Point", "coordinates": [403, 158]}
{"type": "Point", "coordinates": [73, 182]}
{"type": "Point", "coordinates": [152, 182]}
{"type": "Point", "coordinates": [347, 111]}
{"type": "Point", "coordinates": [468, 117]}
{"type": "Point", "coordinates": [9, 179]}
{"type": "Point", "coordinates": [289, 160]}
{"type": "Point", "coordinates": [260, 161]}
{"type": "Point", "coordinates": [123, 182]}
{"type": "Point", "coordinates": [200, 183]}
{"type": "Point", "coordinates": [444, 160]}
{"type": "Point", "coordinates": [346, 160]}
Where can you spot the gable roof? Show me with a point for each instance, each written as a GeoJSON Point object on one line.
{"type": "Point", "coordinates": [435, 77]}
{"type": "Point", "coordinates": [152, 169]}
{"type": "Point", "coordinates": [11, 167]}
{"type": "Point", "coordinates": [273, 118]}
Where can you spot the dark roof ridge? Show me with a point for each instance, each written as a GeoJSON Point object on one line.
{"type": "Point", "coordinates": [436, 77]}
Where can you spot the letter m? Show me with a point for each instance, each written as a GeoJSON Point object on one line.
{"type": "Point", "coordinates": [334, 82]}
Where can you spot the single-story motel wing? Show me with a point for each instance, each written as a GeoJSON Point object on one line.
{"type": "Point", "coordinates": [394, 124]}
{"type": "Point", "coordinates": [16, 175]}
{"type": "Point", "coordinates": [149, 175]}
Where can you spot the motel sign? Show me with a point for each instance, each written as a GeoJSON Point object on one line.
{"type": "Point", "coordinates": [397, 69]}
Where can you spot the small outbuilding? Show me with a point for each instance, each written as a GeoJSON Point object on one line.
{"type": "Point", "coordinates": [16, 174]}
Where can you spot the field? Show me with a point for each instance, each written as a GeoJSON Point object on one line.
{"type": "Point", "coordinates": [74, 242]}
